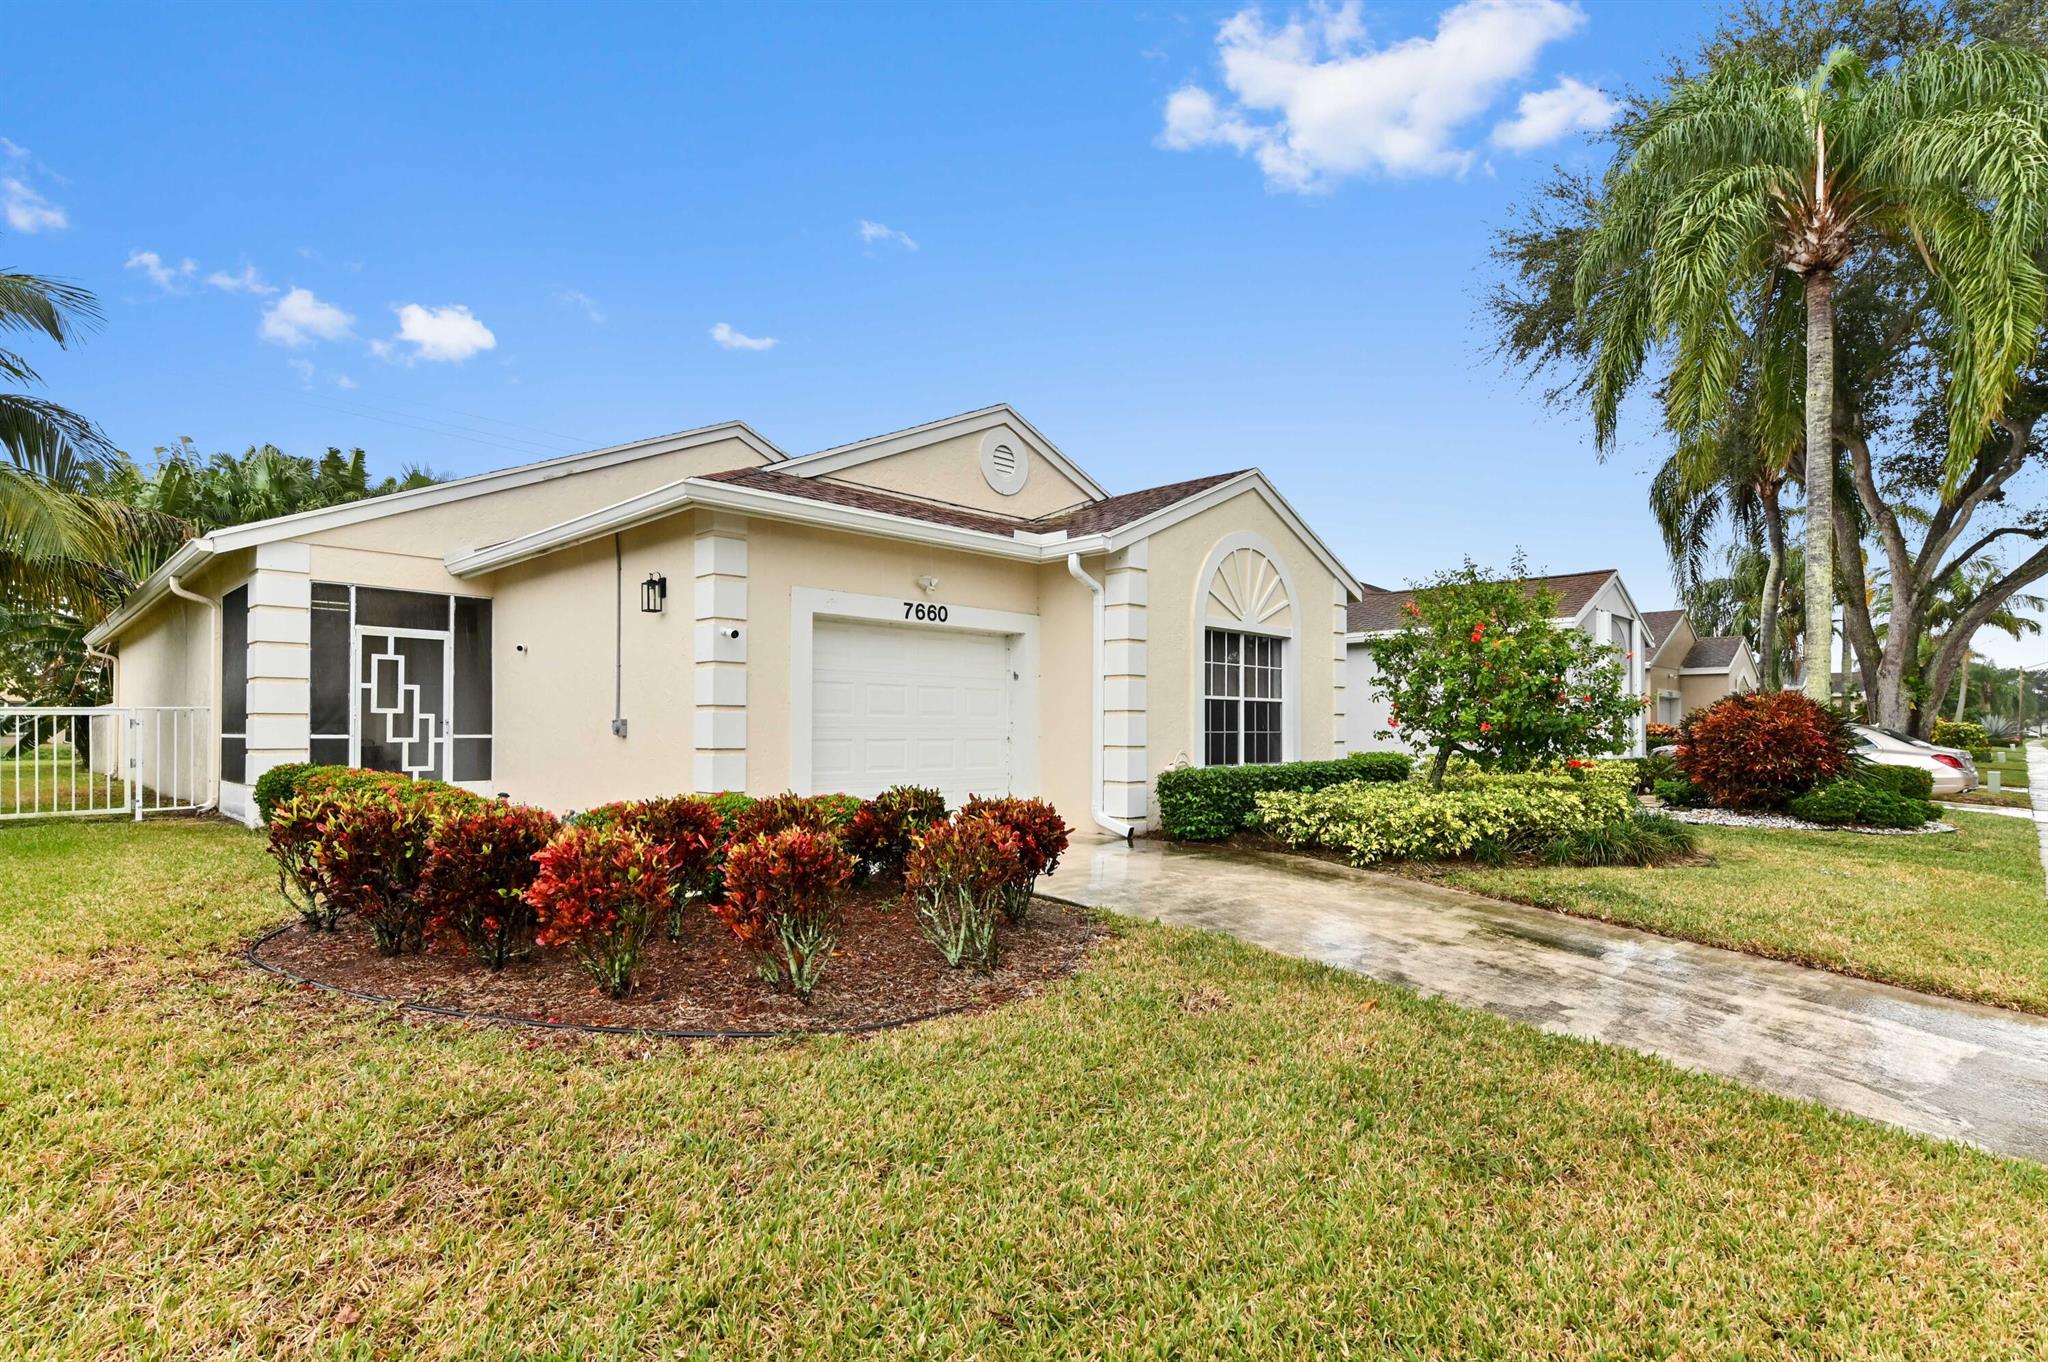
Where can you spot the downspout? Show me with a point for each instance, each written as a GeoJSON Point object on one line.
{"type": "Point", "coordinates": [618, 638]}
{"type": "Point", "coordinates": [177, 588]}
{"type": "Point", "coordinates": [1102, 820]}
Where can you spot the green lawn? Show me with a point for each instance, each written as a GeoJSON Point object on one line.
{"type": "Point", "coordinates": [52, 779]}
{"type": "Point", "coordinates": [1192, 1149]}
{"type": "Point", "coordinates": [1964, 915]}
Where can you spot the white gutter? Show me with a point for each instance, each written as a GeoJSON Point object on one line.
{"type": "Point", "coordinates": [1102, 820]}
{"type": "Point", "coordinates": [177, 588]}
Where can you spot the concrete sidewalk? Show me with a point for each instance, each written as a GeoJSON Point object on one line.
{"type": "Point", "coordinates": [1948, 1069]}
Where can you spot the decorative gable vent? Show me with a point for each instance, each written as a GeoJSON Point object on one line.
{"type": "Point", "coordinates": [1004, 462]}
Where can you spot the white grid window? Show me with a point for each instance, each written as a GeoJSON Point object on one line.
{"type": "Point", "coordinates": [1241, 690]}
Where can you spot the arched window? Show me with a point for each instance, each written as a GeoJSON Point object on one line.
{"type": "Point", "coordinates": [1248, 663]}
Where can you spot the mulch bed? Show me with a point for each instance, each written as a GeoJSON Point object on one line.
{"type": "Point", "coordinates": [883, 974]}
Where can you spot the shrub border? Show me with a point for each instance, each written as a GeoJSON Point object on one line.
{"type": "Point", "coordinates": [251, 955]}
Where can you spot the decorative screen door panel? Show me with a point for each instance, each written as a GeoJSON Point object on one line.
{"type": "Point", "coordinates": [402, 701]}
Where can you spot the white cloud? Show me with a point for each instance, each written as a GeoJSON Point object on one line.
{"type": "Point", "coordinates": [169, 278]}
{"type": "Point", "coordinates": [299, 317]}
{"type": "Point", "coordinates": [444, 335]}
{"type": "Point", "coordinates": [13, 150]}
{"type": "Point", "coordinates": [734, 340]}
{"type": "Point", "coordinates": [875, 231]}
{"type": "Point", "coordinates": [582, 302]}
{"type": "Point", "coordinates": [246, 281]}
{"type": "Point", "coordinates": [1314, 102]}
{"type": "Point", "coordinates": [304, 369]}
{"type": "Point", "coordinates": [1543, 116]}
{"type": "Point", "coordinates": [27, 211]}
{"type": "Point", "coordinates": [344, 381]}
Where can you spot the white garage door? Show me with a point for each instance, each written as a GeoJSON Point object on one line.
{"type": "Point", "coordinates": [910, 706]}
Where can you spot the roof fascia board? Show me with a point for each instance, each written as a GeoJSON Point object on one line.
{"type": "Point", "coordinates": [256, 532]}
{"type": "Point", "coordinates": [841, 457]}
{"type": "Point", "coordinates": [700, 493]}
{"type": "Point", "coordinates": [1251, 480]}
{"type": "Point", "coordinates": [189, 557]}
{"type": "Point", "coordinates": [440, 494]}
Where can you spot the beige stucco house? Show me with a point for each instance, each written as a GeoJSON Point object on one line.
{"type": "Point", "coordinates": [957, 604]}
{"type": "Point", "coordinates": [1689, 672]}
{"type": "Point", "coordinates": [1596, 602]}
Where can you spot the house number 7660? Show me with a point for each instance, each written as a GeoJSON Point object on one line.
{"type": "Point", "coordinates": [919, 610]}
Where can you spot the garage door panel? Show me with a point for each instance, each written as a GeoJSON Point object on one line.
{"type": "Point", "coordinates": [894, 705]}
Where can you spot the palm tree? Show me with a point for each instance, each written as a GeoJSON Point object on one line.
{"type": "Point", "coordinates": [1740, 182]}
{"type": "Point", "coordinates": [1740, 480]}
{"type": "Point", "coordinates": [57, 540]}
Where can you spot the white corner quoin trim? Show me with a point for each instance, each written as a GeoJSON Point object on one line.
{"type": "Point", "coordinates": [808, 604]}
{"type": "Point", "coordinates": [1290, 656]}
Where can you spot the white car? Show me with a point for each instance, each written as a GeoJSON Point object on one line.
{"type": "Point", "coordinates": [1954, 770]}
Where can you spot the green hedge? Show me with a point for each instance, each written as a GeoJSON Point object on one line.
{"type": "Point", "coordinates": [1950, 733]}
{"type": "Point", "coordinates": [1486, 815]}
{"type": "Point", "coordinates": [1861, 801]}
{"type": "Point", "coordinates": [1907, 782]}
{"type": "Point", "coordinates": [280, 785]}
{"type": "Point", "coordinates": [1208, 803]}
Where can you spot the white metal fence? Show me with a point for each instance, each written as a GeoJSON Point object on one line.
{"type": "Point", "coordinates": [129, 760]}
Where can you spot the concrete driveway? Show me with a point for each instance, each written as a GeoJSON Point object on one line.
{"type": "Point", "coordinates": [1947, 1069]}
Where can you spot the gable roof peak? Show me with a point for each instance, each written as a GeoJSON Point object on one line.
{"type": "Point", "coordinates": [823, 462]}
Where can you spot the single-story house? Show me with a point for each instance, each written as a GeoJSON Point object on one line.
{"type": "Point", "coordinates": [1595, 602]}
{"type": "Point", "coordinates": [957, 604]}
{"type": "Point", "coordinates": [1688, 672]}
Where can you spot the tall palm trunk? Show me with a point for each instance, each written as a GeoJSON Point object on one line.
{"type": "Point", "coordinates": [1963, 686]}
{"type": "Point", "coordinates": [1820, 482]}
{"type": "Point", "coordinates": [1774, 587]}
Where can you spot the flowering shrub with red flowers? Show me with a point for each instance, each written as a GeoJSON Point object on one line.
{"type": "Point", "coordinates": [690, 830]}
{"type": "Point", "coordinates": [884, 827]}
{"type": "Point", "coordinates": [294, 831]}
{"type": "Point", "coordinates": [782, 902]}
{"type": "Point", "coordinates": [1041, 836]}
{"type": "Point", "coordinates": [599, 892]}
{"type": "Point", "coordinates": [1478, 667]}
{"type": "Point", "coordinates": [826, 815]}
{"type": "Point", "coordinates": [1760, 749]}
{"type": "Point", "coordinates": [960, 876]}
{"type": "Point", "coordinates": [480, 863]}
{"type": "Point", "coordinates": [368, 853]}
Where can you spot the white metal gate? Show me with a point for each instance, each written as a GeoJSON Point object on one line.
{"type": "Point", "coordinates": [125, 760]}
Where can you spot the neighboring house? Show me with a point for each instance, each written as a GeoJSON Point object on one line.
{"type": "Point", "coordinates": [1688, 672]}
{"type": "Point", "coordinates": [955, 605]}
{"type": "Point", "coordinates": [1595, 602]}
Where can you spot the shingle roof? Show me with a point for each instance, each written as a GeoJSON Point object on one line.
{"type": "Point", "coordinates": [1380, 610]}
{"type": "Point", "coordinates": [866, 499]}
{"type": "Point", "coordinates": [1717, 654]}
{"type": "Point", "coordinates": [1660, 624]}
{"type": "Point", "coordinates": [1095, 517]}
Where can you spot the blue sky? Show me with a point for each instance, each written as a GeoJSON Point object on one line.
{"type": "Point", "coordinates": [1179, 238]}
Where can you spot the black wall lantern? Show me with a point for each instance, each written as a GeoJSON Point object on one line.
{"type": "Point", "coordinates": [653, 593]}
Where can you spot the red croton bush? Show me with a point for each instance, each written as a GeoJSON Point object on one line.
{"type": "Point", "coordinates": [599, 892]}
{"type": "Point", "coordinates": [1041, 837]}
{"type": "Point", "coordinates": [689, 830]}
{"type": "Point", "coordinates": [368, 850]}
{"type": "Point", "coordinates": [480, 863]}
{"type": "Point", "coordinates": [825, 815]}
{"type": "Point", "coordinates": [883, 828]}
{"type": "Point", "coordinates": [782, 902]}
{"type": "Point", "coordinates": [961, 877]}
{"type": "Point", "coordinates": [1759, 749]}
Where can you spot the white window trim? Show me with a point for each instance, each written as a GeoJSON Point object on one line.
{"type": "Point", "coordinates": [1196, 745]}
{"type": "Point", "coordinates": [1244, 698]}
{"type": "Point", "coordinates": [807, 605]}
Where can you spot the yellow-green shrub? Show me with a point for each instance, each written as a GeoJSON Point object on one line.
{"type": "Point", "coordinates": [1409, 821]}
